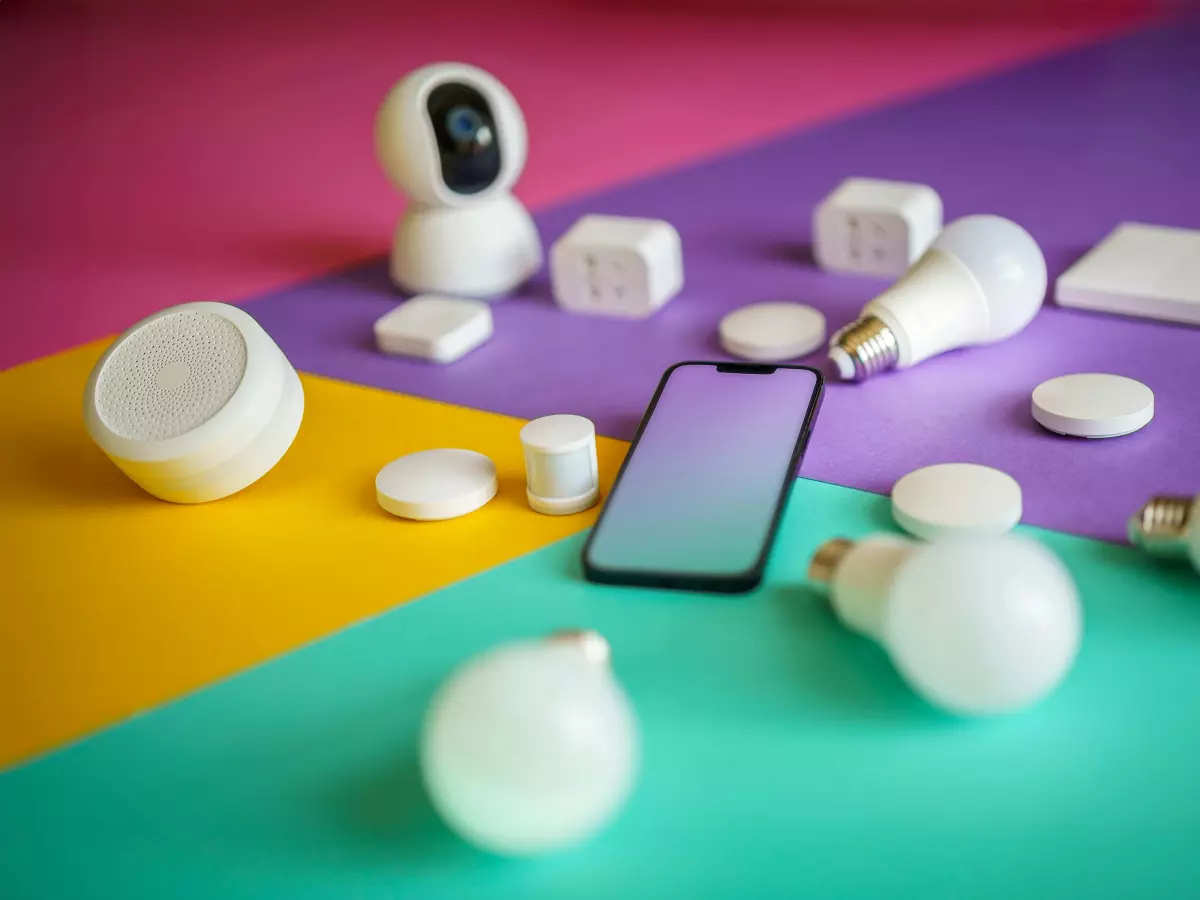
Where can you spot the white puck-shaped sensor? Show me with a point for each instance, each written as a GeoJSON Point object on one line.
{"type": "Point", "coordinates": [562, 476]}
{"type": "Point", "coordinates": [772, 332]}
{"type": "Point", "coordinates": [436, 484]}
{"type": "Point", "coordinates": [956, 499]}
{"type": "Point", "coordinates": [1093, 405]}
{"type": "Point", "coordinates": [194, 403]}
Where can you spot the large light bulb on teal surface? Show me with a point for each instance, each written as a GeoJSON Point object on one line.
{"type": "Point", "coordinates": [531, 747]}
{"type": "Point", "coordinates": [977, 626]}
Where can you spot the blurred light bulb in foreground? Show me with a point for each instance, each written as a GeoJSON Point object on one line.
{"type": "Point", "coordinates": [1168, 527]}
{"type": "Point", "coordinates": [982, 280]}
{"type": "Point", "coordinates": [531, 747]}
{"type": "Point", "coordinates": [977, 626]}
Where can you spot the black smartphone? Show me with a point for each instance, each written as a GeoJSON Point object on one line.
{"type": "Point", "coordinates": [699, 497]}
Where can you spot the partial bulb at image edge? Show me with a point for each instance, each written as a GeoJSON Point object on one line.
{"type": "Point", "coordinates": [1168, 527]}
{"type": "Point", "coordinates": [531, 747]}
{"type": "Point", "coordinates": [977, 627]}
{"type": "Point", "coordinates": [981, 281]}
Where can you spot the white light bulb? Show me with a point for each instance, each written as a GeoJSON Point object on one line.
{"type": "Point", "coordinates": [531, 747]}
{"type": "Point", "coordinates": [982, 280]}
{"type": "Point", "coordinates": [977, 626]}
{"type": "Point", "coordinates": [1169, 527]}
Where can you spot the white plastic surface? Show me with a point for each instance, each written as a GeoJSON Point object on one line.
{"type": "Point", "coordinates": [439, 329]}
{"type": "Point", "coordinates": [984, 626]}
{"type": "Point", "coordinates": [481, 251]}
{"type": "Point", "coordinates": [1138, 270]}
{"type": "Point", "coordinates": [1093, 405]}
{"type": "Point", "coordinates": [616, 266]}
{"type": "Point", "coordinates": [772, 332]}
{"type": "Point", "coordinates": [875, 227]}
{"type": "Point", "coordinates": [562, 474]}
{"type": "Point", "coordinates": [436, 484]}
{"type": "Point", "coordinates": [981, 281]}
{"type": "Point", "coordinates": [194, 403]}
{"type": "Point", "coordinates": [863, 580]}
{"type": "Point", "coordinates": [956, 500]}
{"type": "Point", "coordinates": [530, 748]}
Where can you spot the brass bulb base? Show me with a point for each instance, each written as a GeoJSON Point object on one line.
{"type": "Point", "coordinates": [864, 348]}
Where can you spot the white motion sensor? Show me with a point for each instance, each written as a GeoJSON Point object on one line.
{"type": "Point", "coordinates": [981, 281]}
{"type": "Point", "coordinates": [977, 626]}
{"type": "Point", "coordinates": [194, 403]}
{"type": "Point", "coordinates": [531, 747]}
{"type": "Point", "coordinates": [453, 139]}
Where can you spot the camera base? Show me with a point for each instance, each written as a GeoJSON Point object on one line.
{"type": "Point", "coordinates": [476, 251]}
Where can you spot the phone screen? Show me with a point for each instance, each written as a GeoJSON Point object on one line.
{"type": "Point", "coordinates": [700, 493]}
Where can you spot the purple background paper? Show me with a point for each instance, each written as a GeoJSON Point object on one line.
{"type": "Point", "coordinates": [1068, 148]}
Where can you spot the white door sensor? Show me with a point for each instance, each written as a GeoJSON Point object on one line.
{"type": "Point", "coordinates": [439, 329]}
{"type": "Point", "coordinates": [194, 403]}
{"type": "Point", "coordinates": [616, 266]}
{"type": "Point", "coordinates": [873, 227]}
{"type": "Point", "coordinates": [1138, 270]}
{"type": "Point", "coordinates": [561, 472]}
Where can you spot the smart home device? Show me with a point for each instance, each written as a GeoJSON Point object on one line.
{"type": "Point", "coordinates": [618, 266]}
{"type": "Point", "coordinates": [436, 484]}
{"type": "Point", "coordinates": [1147, 271]}
{"type": "Point", "coordinates": [1093, 405]}
{"type": "Point", "coordinates": [869, 226]}
{"type": "Point", "coordinates": [438, 329]}
{"type": "Point", "coordinates": [194, 403]}
{"type": "Point", "coordinates": [981, 281]}
{"type": "Point", "coordinates": [561, 473]}
{"type": "Point", "coordinates": [772, 332]}
{"type": "Point", "coordinates": [452, 138]}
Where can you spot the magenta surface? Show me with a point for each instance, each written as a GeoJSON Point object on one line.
{"type": "Point", "coordinates": [1069, 148]}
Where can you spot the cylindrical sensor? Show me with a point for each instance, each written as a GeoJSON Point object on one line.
{"type": "Point", "coordinates": [561, 473]}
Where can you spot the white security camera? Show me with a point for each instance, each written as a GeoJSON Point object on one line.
{"type": "Point", "coordinates": [452, 138]}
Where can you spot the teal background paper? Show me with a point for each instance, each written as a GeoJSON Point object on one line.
{"type": "Point", "coordinates": [782, 756]}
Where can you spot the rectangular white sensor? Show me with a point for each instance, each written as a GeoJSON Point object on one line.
{"type": "Point", "coordinates": [1148, 271]}
{"type": "Point", "coordinates": [439, 329]}
{"type": "Point", "coordinates": [872, 227]}
{"type": "Point", "coordinates": [616, 266]}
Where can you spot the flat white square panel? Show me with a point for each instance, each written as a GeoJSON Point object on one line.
{"type": "Point", "coordinates": [440, 329]}
{"type": "Point", "coordinates": [1138, 270]}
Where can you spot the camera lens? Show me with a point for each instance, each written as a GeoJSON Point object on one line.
{"type": "Point", "coordinates": [466, 126]}
{"type": "Point", "coordinates": [466, 137]}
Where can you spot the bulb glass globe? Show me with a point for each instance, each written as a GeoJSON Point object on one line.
{"type": "Point", "coordinates": [983, 626]}
{"type": "Point", "coordinates": [530, 748]}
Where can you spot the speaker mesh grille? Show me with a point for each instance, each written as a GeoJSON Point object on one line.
{"type": "Point", "coordinates": [171, 376]}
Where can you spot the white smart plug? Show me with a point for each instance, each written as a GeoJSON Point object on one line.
{"type": "Point", "coordinates": [616, 266]}
{"type": "Point", "coordinates": [872, 227]}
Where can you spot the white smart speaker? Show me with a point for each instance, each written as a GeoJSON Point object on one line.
{"type": "Point", "coordinates": [194, 403]}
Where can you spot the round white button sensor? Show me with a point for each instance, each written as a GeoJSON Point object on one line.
{"type": "Point", "coordinates": [956, 499]}
{"type": "Point", "coordinates": [772, 332]}
{"type": "Point", "coordinates": [1093, 405]}
{"type": "Point", "coordinates": [436, 484]}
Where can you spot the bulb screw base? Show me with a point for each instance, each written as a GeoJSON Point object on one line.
{"type": "Point", "coordinates": [1162, 525]}
{"type": "Point", "coordinates": [824, 564]}
{"type": "Point", "coordinates": [864, 348]}
{"type": "Point", "coordinates": [592, 644]}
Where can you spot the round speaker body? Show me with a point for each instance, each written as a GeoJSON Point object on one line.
{"type": "Point", "coordinates": [194, 403]}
